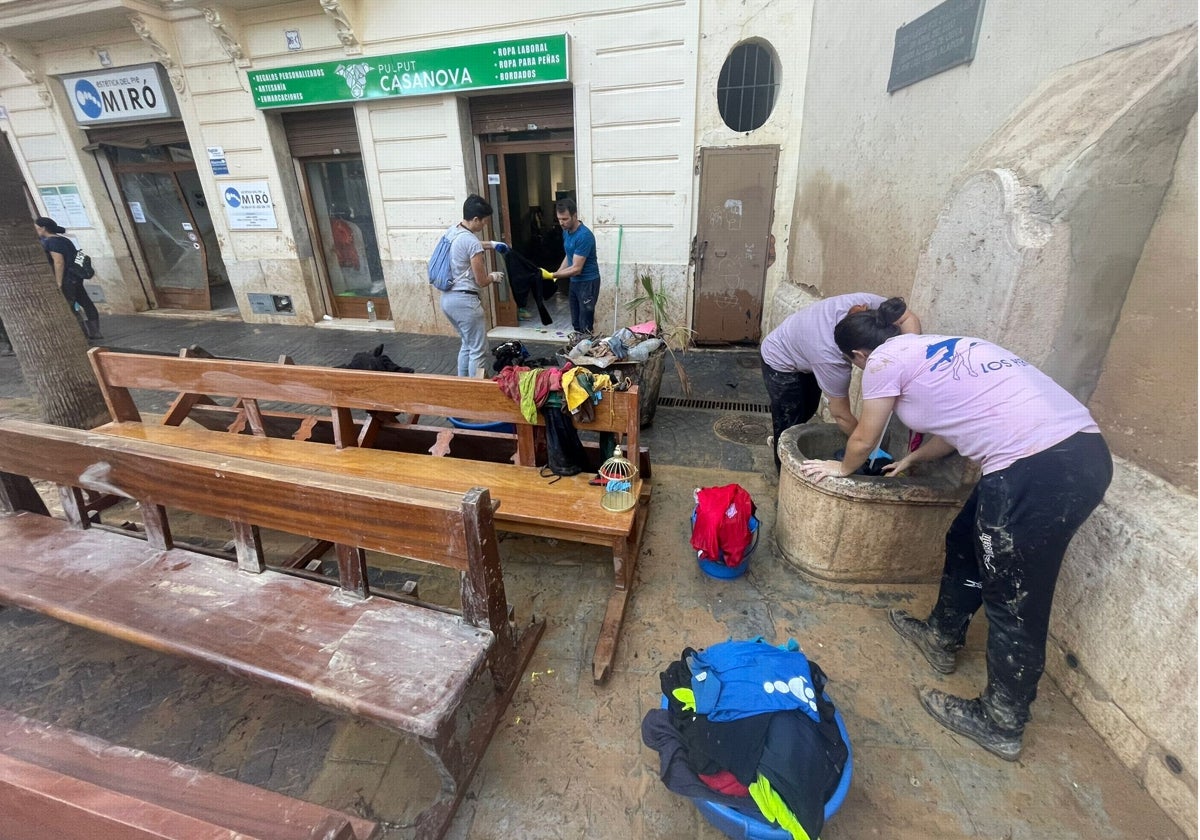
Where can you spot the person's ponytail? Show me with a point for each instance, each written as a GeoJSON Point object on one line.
{"type": "Point", "coordinates": [867, 330]}
{"type": "Point", "coordinates": [891, 311]}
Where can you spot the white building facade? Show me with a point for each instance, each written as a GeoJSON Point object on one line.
{"type": "Point", "coordinates": [299, 160]}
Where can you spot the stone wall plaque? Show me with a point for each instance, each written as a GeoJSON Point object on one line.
{"type": "Point", "coordinates": [942, 38]}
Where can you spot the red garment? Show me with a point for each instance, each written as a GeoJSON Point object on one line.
{"type": "Point", "coordinates": [509, 381]}
{"type": "Point", "coordinates": [343, 244]}
{"type": "Point", "coordinates": [725, 782]}
{"type": "Point", "coordinates": [723, 523]}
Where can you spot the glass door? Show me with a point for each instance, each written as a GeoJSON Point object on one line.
{"type": "Point", "coordinates": [340, 211]}
{"type": "Point", "coordinates": [503, 305]}
{"type": "Point", "coordinates": [162, 194]}
{"type": "Point", "coordinates": [220, 292]}
{"type": "Point", "coordinates": [163, 222]}
{"type": "Point", "coordinates": [524, 179]}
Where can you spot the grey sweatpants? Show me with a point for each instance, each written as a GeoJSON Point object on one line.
{"type": "Point", "coordinates": [465, 312]}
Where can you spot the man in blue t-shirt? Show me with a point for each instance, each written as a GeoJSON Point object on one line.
{"type": "Point", "coordinates": [579, 265]}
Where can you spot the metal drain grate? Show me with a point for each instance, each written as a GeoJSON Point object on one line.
{"type": "Point", "coordinates": [714, 405]}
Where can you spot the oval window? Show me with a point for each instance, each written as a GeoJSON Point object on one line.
{"type": "Point", "coordinates": [747, 86]}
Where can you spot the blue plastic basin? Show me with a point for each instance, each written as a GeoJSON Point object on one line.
{"type": "Point", "coordinates": [482, 427]}
{"type": "Point", "coordinates": [719, 570]}
{"type": "Point", "coordinates": [742, 827]}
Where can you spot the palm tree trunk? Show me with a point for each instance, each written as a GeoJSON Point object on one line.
{"type": "Point", "coordinates": [42, 329]}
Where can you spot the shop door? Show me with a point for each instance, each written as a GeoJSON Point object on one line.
{"type": "Point", "coordinates": [162, 195]}
{"type": "Point", "coordinates": [339, 211]}
{"type": "Point", "coordinates": [737, 195]}
{"type": "Point", "coordinates": [524, 180]}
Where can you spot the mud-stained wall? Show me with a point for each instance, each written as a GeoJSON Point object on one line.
{"type": "Point", "coordinates": [1146, 400]}
{"type": "Point", "coordinates": [1038, 247]}
{"type": "Point", "coordinates": [875, 168]}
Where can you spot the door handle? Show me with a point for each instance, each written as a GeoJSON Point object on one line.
{"type": "Point", "coordinates": [700, 255]}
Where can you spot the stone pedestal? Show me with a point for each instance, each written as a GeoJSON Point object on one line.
{"type": "Point", "coordinates": [865, 529]}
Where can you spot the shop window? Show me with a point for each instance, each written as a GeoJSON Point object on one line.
{"type": "Point", "coordinates": [748, 85]}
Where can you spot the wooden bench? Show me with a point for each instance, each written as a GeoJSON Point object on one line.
{"type": "Point", "coordinates": [566, 508]}
{"type": "Point", "coordinates": [403, 664]}
{"type": "Point", "coordinates": [406, 432]}
{"type": "Point", "coordinates": [59, 783]}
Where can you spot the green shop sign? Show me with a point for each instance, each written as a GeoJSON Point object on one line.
{"type": "Point", "coordinates": [528, 61]}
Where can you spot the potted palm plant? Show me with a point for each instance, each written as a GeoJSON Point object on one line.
{"type": "Point", "coordinates": [652, 301]}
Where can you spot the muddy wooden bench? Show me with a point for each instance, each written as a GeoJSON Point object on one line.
{"type": "Point", "coordinates": [401, 663]}
{"type": "Point", "coordinates": [565, 508]}
{"type": "Point", "coordinates": [59, 783]}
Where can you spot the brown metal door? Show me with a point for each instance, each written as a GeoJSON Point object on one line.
{"type": "Point", "coordinates": [737, 197]}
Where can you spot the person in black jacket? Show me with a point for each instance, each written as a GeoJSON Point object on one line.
{"type": "Point", "coordinates": [61, 251]}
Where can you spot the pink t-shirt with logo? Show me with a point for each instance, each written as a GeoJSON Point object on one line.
{"type": "Point", "coordinates": [988, 403]}
{"type": "Point", "coordinates": [803, 343]}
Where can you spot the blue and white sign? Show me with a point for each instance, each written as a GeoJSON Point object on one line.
{"type": "Point", "coordinates": [248, 205]}
{"type": "Point", "coordinates": [130, 94]}
{"type": "Point", "coordinates": [216, 157]}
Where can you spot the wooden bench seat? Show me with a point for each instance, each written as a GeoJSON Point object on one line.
{"type": "Point", "coordinates": [358, 412]}
{"type": "Point", "coordinates": [399, 667]}
{"type": "Point", "coordinates": [528, 503]}
{"type": "Point", "coordinates": [59, 783]}
{"type": "Point", "coordinates": [405, 665]}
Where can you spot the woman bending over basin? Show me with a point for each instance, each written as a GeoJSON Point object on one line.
{"type": "Point", "coordinates": [1045, 468]}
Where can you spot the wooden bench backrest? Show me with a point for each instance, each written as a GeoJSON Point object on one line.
{"type": "Point", "coordinates": [60, 783]}
{"type": "Point", "coordinates": [427, 525]}
{"type": "Point", "coordinates": [334, 388]}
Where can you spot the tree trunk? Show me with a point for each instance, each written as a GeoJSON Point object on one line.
{"type": "Point", "coordinates": [41, 327]}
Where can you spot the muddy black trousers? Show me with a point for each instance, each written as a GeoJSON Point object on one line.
{"type": "Point", "coordinates": [795, 398]}
{"type": "Point", "coordinates": [1004, 551]}
{"type": "Point", "coordinates": [74, 292]}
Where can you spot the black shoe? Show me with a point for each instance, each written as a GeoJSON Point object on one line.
{"type": "Point", "coordinates": [970, 718]}
{"type": "Point", "coordinates": [925, 638]}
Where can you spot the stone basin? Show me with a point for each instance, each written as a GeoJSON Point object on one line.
{"type": "Point", "coordinates": [865, 529]}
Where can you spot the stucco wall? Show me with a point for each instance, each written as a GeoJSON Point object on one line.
{"type": "Point", "coordinates": [1146, 398]}
{"type": "Point", "coordinates": [47, 146]}
{"type": "Point", "coordinates": [875, 168]}
{"type": "Point", "coordinates": [1085, 163]}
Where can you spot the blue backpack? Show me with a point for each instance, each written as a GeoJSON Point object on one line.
{"type": "Point", "coordinates": [440, 276]}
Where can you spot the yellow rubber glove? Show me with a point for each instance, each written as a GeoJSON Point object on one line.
{"type": "Point", "coordinates": [547, 275]}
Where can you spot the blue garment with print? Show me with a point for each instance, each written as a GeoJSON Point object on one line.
{"type": "Point", "coordinates": [734, 679]}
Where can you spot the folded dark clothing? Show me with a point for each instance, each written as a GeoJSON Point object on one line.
{"type": "Point", "coordinates": [659, 735]}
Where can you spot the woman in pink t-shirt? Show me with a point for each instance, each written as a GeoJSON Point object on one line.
{"type": "Point", "coordinates": [1045, 468]}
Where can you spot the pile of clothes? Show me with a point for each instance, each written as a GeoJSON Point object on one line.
{"type": "Point", "coordinates": [560, 394]}
{"type": "Point", "coordinates": [631, 344]}
{"type": "Point", "coordinates": [748, 725]}
{"type": "Point", "coordinates": [574, 388]}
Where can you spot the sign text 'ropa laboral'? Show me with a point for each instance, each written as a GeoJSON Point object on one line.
{"type": "Point", "coordinates": [527, 61]}
{"type": "Point", "coordinates": [128, 94]}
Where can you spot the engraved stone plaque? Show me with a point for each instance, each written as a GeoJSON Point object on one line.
{"type": "Point", "coordinates": [942, 38]}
